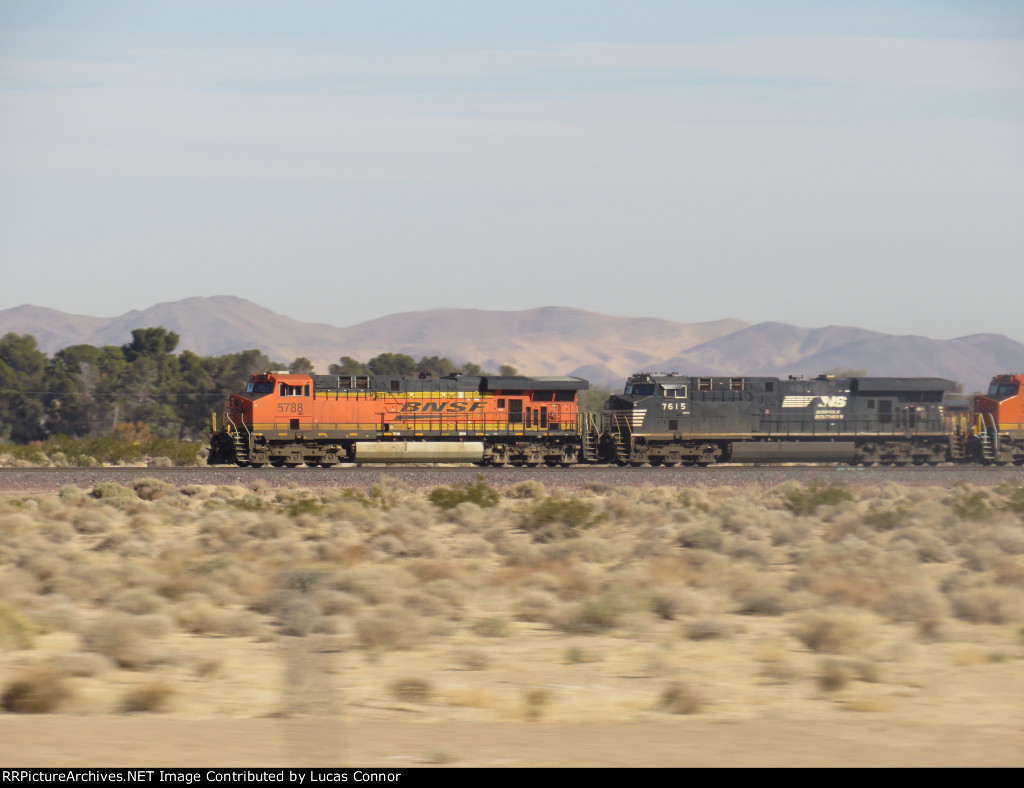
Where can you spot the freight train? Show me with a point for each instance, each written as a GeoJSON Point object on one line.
{"type": "Point", "coordinates": [285, 419]}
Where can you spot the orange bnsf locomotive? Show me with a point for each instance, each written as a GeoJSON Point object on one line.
{"type": "Point", "coordinates": [286, 419]}
{"type": "Point", "coordinates": [294, 419]}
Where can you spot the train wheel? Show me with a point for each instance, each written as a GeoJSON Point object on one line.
{"type": "Point", "coordinates": [292, 464]}
{"type": "Point", "coordinates": [670, 464]}
{"type": "Point", "coordinates": [277, 463]}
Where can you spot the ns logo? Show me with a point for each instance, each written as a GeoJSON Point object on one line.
{"type": "Point", "coordinates": [802, 401]}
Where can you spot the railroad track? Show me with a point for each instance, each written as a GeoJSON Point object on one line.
{"type": "Point", "coordinates": [52, 479]}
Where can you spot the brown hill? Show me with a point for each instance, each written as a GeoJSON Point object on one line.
{"type": "Point", "coordinates": [547, 340]}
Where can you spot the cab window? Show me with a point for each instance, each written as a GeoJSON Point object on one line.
{"type": "Point", "coordinates": [1003, 390]}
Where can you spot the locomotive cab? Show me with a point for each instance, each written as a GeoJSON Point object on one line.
{"type": "Point", "coordinates": [999, 416]}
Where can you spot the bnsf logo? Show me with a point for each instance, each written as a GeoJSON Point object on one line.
{"type": "Point", "coordinates": [442, 407]}
{"type": "Point", "coordinates": [802, 401]}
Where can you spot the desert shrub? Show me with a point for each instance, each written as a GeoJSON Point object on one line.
{"type": "Point", "coordinates": [202, 618]}
{"type": "Point", "coordinates": [151, 697]}
{"type": "Point", "coordinates": [673, 604]}
{"type": "Point", "coordinates": [804, 500]}
{"type": "Point", "coordinates": [80, 663]}
{"type": "Point", "coordinates": [91, 521]}
{"type": "Point", "coordinates": [833, 675]}
{"type": "Point", "coordinates": [57, 531]}
{"type": "Point", "coordinates": [304, 505]}
{"type": "Point", "coordinates": [15, 629]}
{"type": "Point", "coordinates": [304, 581]}
{"type": "Point", "coordinates": [412, 690]}
{"type": "Point", "coordinates": [989, 605]}
{"type": "Point", "coordinates": [297, 617]}
{"type": "Point", "coordinates": [536, 701]}
{"type": "Point", "coordinates": [708, 629]}
{"type": "Point", "coordinates": [758, 595]}
{"type": "Point", "coordinates": [913, 604]}
{"type": "Point", "coordinates": [592, 615]}
{"type": "Point", "coordinates": [556, 518]}
{"type": "Point", "coordinates": [39, 690]}
{"type": "Point", "coordinates": [61, 617]}
{"type": "Point", "coordinates": [701, 535]}
{"type": "Point", "coordinates": [251, 502]}
{"type": "Point", "coordinates": [138, 601]}
{"type": "Point", "coordinates": [531, 488]}
{"type": "Point", "coordinates": [886, 516]}
{"type": "Point", "coordinates": [472, 659]}
{"type": "Point", "coordinates": [535, 605]}
{"type": "Point", "coordinates": [71, 494]}
{"type": "Point", "coordinates": [373, 584]}
{"type": "Point", "coordinates": [337, 603]}
{"type": "Point", "coordinates": [969, 502]}
{"type": "Point", "coordinates": [780, 671]}
{"type": "Point", "coordinates": [492, 627]}
{"type": "Point", "coordinates": [152, 489]}
{"type": "Point", "coordinates": [679, 697]}
{"type": "Point", "coordinates": [107, 490]}
{"type": "Point", "coordinates": [477, 492]}
{"type": "Point", "coordinates": [123, 638]}
{"type": "Point", "coordinates": [1013, 497]}
{"type": "Point", "coordinates": [387, 627]}
{"type": "Point", "coordinates": [831, 632]}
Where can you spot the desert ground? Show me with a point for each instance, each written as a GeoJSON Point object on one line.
{"type": "Point", "coordinates": [815, 623]}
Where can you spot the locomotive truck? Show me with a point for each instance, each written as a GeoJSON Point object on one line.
{"type": "Point", "coordinates": [659, 419]}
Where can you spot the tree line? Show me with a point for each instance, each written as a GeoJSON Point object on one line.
{"type": "Point", "coordinates": [143, 388]}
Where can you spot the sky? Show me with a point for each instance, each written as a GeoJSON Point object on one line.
{"type": "Point", "coordinates": [809, 162]}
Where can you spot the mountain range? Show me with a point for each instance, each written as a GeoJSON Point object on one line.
{"type": "Point", "coordinates": [543, 341]}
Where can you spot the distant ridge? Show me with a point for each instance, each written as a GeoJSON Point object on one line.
{"type": "Point", "coordinates": [544, 341]}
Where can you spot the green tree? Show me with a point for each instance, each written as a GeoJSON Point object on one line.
{"type": "Point", "coordinates": [397, 364]}
{"type": "Point", "coordinates": [301, 366]}
{"type": "Point", "coordinates": [437, 366]}
{"type": "Point", "coordinates": [348, 366]}
{"type": "Point", "coordinates": [150, 342]}
{"type": "Point", "coordinates": [22, 369]}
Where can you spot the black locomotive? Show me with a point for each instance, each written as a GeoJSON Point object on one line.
{"type": "Point", "coordinates": [672, 419]}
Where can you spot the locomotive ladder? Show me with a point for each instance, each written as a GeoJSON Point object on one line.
{"type": "Point", "coordinates": [241, 440]}
{"type": "Point", "coordinates": [588, 436]}
{"type": "Point", "coordinates": [989, 438]}
{"type": "Point", "coordinates": [622, 432]}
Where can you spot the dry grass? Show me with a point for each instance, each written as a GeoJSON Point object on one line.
{"type": "Point", "coordinates": [529, 603]}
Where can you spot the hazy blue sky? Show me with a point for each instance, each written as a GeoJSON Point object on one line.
{"type": "Point", "coordinates": [854, 163]}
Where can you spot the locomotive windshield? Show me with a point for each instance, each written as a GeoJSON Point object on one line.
{"type": "Point", "coordinates": [1003, 390]}
{"type": "Point", "coordinates": [639, 389]}
{"type": "Point", "coordinates": [262, 387]}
